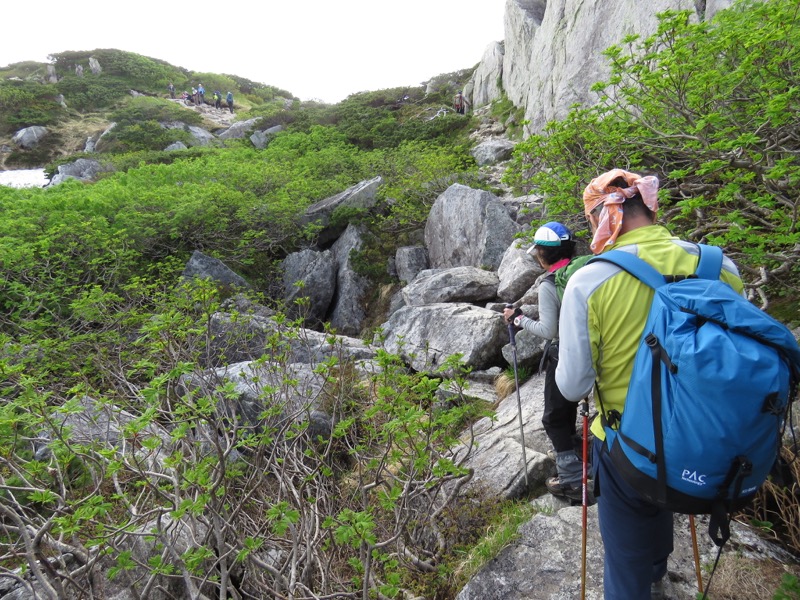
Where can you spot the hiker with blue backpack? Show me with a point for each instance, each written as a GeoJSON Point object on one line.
{"type": "Point", "coordinates": [691, 381]}
{"type": "Point", "coordinates": [554, 248]}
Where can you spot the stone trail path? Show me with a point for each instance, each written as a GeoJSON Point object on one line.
{"type": "Point", "coordinates": [490, 128]}
{"type": "Point", "coordinates": [222, 116]}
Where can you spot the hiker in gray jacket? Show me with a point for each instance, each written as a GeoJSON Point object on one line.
{"type": "Point", "coordinates": [553, 247]}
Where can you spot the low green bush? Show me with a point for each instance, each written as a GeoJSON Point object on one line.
{"type": "Point", "coordinates": [25, 103]}
{"type": "Point", "coordinates": [709, 108]}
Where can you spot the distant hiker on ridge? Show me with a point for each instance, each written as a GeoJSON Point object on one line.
{"type": "Point", "coordinates": [217, 99]}
{"type": "Point", "coordinates": [171, 88]}
{"type": "Point", "coordinates": [460, 103]}
{"type": "Point", "coordinates": [229, 100]}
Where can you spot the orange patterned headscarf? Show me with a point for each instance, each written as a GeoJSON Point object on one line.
{"type": "Point", "coordinates": [611, 198]}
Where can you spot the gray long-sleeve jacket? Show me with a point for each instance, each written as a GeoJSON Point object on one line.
{"type": "Point", "coordinates": [549, 306]}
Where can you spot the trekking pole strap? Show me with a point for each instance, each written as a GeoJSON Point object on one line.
{"type": "Point", "coordinates": [719, 525]}
{"type": "Point", "coordinates": [719, 522]}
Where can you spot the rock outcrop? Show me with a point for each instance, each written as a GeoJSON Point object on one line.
{"type": "Point", "coordinates": [485, 82]}
{"type": "Point", "coordinates": [83, 169]}
{"type": "Point", "coordinates": [427, 335]}
{"type": "Point", "coordinates": [29, 137]}
{"type": "Point", "coordinates": [468, 227]}
{"type": "Point", "coordinates": [359, 196]}
{"type": "Point", "coordinates": [553, 50]}
{"type": "Point", "coordinates": [206, 267]}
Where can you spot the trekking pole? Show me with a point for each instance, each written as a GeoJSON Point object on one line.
{"type": "Point", "coordinates": [519, 399]}
{"type": "Point", "coordinates": [584, 492]}
{"type": "Point", "coordinates": [696, 555]}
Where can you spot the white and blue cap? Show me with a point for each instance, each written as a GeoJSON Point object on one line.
{"type": "Point", "coordinates": [551, 234]}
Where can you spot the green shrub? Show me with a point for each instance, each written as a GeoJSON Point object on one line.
{"type": "Point", "coordinates": [23, 104]}
{"type": "Point", "coordinates": [709, 108]}
{"type": "Point", "coordinates": [386, 118]}
{"type": "Point", "coordinates": [505, 112]}
{"type": "Point", "coordinates": [789, 588]}
{"type": "Point", "coordinates": [143, 135]}
{"type": "Point", "coordinates": [141, 71]}
{"type": "Point", "coordinates": [138, 125]}
{"type": "Point", "coordinates": [92, 92]}
{"type": "Point", "coordinates": [154, 109]}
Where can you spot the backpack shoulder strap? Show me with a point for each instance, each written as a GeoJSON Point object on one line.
{"type": "Point", "coordinates": [709, 265]}
{"type": "Point", "coordinates": [633, 265]}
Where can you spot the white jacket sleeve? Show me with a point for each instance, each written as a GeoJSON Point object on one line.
{"type": "Point", "coordinates": [547, 325]}
{"type": "Point", "coordinates": [575, 374]}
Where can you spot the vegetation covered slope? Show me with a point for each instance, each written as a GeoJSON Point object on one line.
{"type": "Point", "coordinates": [91, 309]}
{"type": "Point", "coordinates": [93, 315]}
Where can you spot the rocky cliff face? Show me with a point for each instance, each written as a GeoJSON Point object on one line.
{"type": "Point", "coordinates": [552, 52]}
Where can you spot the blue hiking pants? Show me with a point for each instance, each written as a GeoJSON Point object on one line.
{"type": "Point", "coordinates": [637, 536]}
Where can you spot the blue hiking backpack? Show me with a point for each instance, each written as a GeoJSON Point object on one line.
{"type": "Point", "coordinates": [712, 381]}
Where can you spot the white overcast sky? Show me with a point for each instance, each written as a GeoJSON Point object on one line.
{"type": "Point", "coordinates": [316, 49]}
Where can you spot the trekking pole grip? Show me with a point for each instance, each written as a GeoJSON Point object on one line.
{"type": "Point", "coordinates": [511, 333]}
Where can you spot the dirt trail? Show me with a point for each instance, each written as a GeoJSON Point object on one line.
{"type": "Point", "coordinates": [221, 117]}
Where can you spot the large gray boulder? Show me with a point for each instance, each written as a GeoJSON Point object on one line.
{"type": "Point", "coordinates": [83, 169]}
{"type": "Point", "coordinates": [544, 561]}
{"type": "Point", "coordinates": [239, 129]}
{"type": "Point", "coordinates": [86, 421]}
{"type": "Point", "coordinates": [492, 152]}
{"type": "Point", "coordinates": [94, 66]}
{"type": "Point", "coordinates": [201, 137]}
{"type": "Point", "coordinates": [409, 261]}
{"type": "Point", "coordinates": [29, 137]}
{"type": "Point", "coordinates": [203, 266]}
{"type": "Point", "coordinates": [363, 195]}
{"type": "Point", "coordinates": [497, 458]}
{"type": "Point", "coordinates": [517, 273]}
{"type": "Point", "coordinates": [316, 273]}
{"type": "Point", "coordinates": [241, 337]}
{"type": "Point", "coordinates": [348, 314]}
{"type": "Point", "coordinates": [260, 139]}
{"type": "Point", "coordinates": [426, 336]}
{"type": "Point", "coordinates": [468, 227]}
{"type": "Point", "coordinates": [175, 146]}
{"type": "Point", "coordinates": [253, 387]}
{"type": "Point", "coordinates": [524, 209]}
{"type": "Point", "coordinates": [528, 348]}
{"type": "Point", "coordinates": [459, 284]}
{"type": "Point", "coordinates": [148, 540]}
